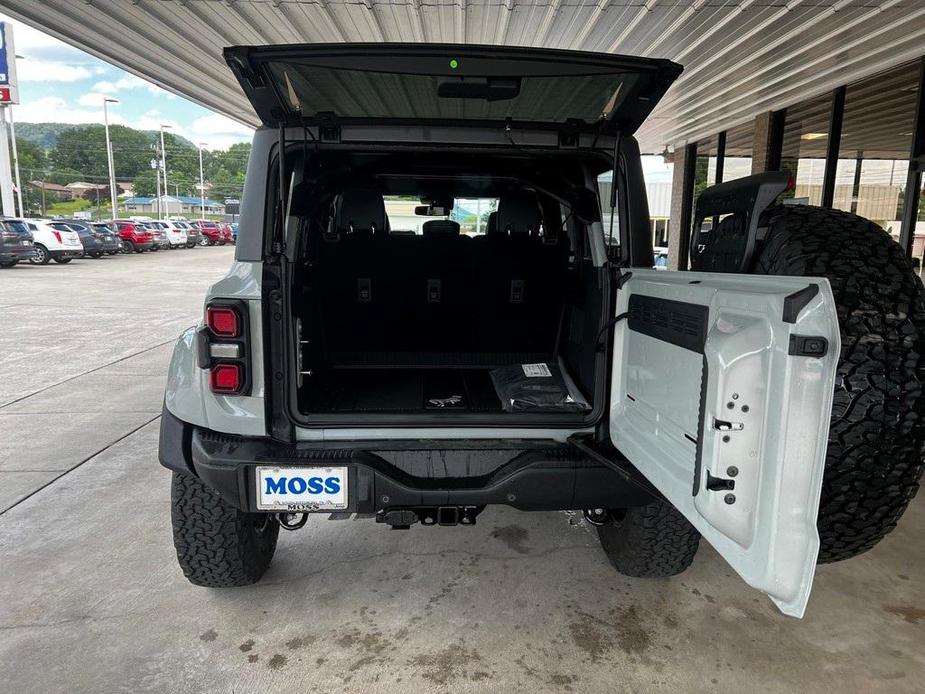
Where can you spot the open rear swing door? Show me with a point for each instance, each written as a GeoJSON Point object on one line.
{"type": "Point", "coordinates": [721, 396]}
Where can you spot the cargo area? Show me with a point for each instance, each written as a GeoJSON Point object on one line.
{"type": "Point", "coordinates": [404, 314]}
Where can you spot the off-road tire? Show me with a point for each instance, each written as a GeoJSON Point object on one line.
{"type": "Point", "coordinates": [218, 545]}
{"type": "Point", "coordinates": [877, 432]}
{"type": "Point", "coordinates": [651, 541]}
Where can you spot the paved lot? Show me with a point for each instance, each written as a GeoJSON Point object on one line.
{"type": "Point", "coordinates": [93, 600]}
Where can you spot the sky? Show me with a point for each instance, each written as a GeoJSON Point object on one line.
{"type": "Point", "coordinates": [62, 84]}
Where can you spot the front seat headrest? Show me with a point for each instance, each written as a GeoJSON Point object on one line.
{"type": "Point", "coordinates": [519, 213]}
{"type": "Point", "coordinates": [440, 227]}
{"type": "Point", "coordinates": [361, 211]}
{"type": "Point", "coordinates": [492, 226]}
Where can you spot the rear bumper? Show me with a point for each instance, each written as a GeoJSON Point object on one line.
{"type": "Point", "coordinates": [536, 479]}
{"type": "Point", "coordinates": [70, 253]}
{"type": "Point", "coordinates": [10, 252]}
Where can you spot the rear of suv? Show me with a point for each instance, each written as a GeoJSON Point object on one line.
{"type": "Point", "coordinates": [15, 242]}
{"type": "Point", "coordinates": [506, 340]}
{"type": "Point", "coordinates": [135, 238]}
{"type": "Point", "coordinates": [60, 244]}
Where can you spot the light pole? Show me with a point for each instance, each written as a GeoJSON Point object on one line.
{"type": "Point", "coordinates": [164, 162]}
{"type": "Point", "coordinates": [112, 169]}
{"type": "Point", "coordinates": [202, 187]}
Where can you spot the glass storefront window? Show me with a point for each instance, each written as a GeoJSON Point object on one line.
{"type": "Point", "coordinates": [873, 155]}
{"type": "Point", "coordinates": [737, 162]}
{"type": "Point", "coordinates": [806, 138]}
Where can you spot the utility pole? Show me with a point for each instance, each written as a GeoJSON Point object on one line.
{"type": "Point", "coordinates": [202, 188]}
{"type": "Point", "coordinates": [112, 169]}
{"type": "Point", "coordinates": [164, 165]}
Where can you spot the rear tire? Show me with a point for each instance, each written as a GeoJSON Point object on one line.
{"type": "Point", "coordinates": [128, 247]}
{"type": "Point", "coordinates": [651, 541]}
{"type": "Point", "coordinates": [877, 431]}
{"type": "Point", "coordinates": [62, 261]}
{"type": "Point", "coordinates": [8, 263]}
{"type": "Point", "coordinates": [218, 545]}
{"type": "Point", "coordinates": [39, 255]}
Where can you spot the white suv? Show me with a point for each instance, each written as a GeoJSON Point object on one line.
{"type": "Point", "coordinates": [59, 245]}
{"type": "Point", "coordinates": [176, 234]}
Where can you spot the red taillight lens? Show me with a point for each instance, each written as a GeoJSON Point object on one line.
{"type": "Point", "coordinates": [226, 378]}
{"type": "Point", "coordinates": [223, 321]}
{"type": "Point", "coordinates": [57, 235]}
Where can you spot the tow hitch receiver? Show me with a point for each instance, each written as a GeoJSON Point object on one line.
{"type": "Point", "coordinates": [403, 518]}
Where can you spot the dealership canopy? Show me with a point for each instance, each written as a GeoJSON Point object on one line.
{"type": "Point", "coordinates": [740, 57]}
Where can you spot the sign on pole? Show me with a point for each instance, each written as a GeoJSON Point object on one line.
{"type": "Point", "coordinates": [9, 91]}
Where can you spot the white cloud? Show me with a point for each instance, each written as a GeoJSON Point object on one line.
{"type": "Point", "coordinates": [57, 109]}
{"type": "Point", "coordinates": [219, 132]}
{"type": "Point", "coordinates": [129, 81]}
{"type": "Point", "coordinates": [92, 99]}
{"type": "Point", "coordinates": [46, 71]}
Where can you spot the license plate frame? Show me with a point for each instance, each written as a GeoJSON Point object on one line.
{"type": "Point", "coordinates": [293, 488]}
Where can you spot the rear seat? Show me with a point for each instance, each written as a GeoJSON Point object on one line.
{"type": "Point", "coordinates": [442, 292]}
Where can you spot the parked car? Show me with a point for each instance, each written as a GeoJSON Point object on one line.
{"type": "Point", "coordinates": [112, 244]}
{"type": "Point", "coordinates": [176, 234]}
{"type": "Point", "coordinates": [60, 245]}
{"type": "Point", "coordinates": [234, 232]}
{"type": "Point", "coordinates": [135, 238]}
{"type": "Point", "coordinates": [227, 234]}
{"type": "Point", "coordinates": [192, 232]}
{"type": "Point", "coordinates": [15, 242]}
{"type": "Point", "coordinates": [92, 245]}
{"type": "Point", "coordinates": [158, 233]}
{"type": "Point", "coordinates": [418, 379]}
{"type": "Point", "coordinates": [211, 233]}
{"type": "Point", "coordinates": [660, 258]}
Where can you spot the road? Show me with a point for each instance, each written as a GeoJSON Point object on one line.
{"type": "Point", "coordinates": [94, 600]}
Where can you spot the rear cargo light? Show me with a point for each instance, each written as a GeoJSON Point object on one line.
{"type": "Point", "coordinates": [223, 321]}
{"type": "Point", "coordinates": [226, 378]}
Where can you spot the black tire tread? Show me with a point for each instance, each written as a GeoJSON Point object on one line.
{"type": "Point", "coordinates": [652, 541]}
{"type": "Point", "coordinates": [877, 433]}
{"type": "Point", "coordinates": [217, 545]}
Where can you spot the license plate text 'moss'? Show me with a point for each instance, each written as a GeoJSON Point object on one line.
{"type": "Point", "coordinates": [301, 488]}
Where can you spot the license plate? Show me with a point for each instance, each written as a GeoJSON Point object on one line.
{"type": "Point", "coordinates": [26, 243]}
{"type": "Point", "coordinates": [301, 488]}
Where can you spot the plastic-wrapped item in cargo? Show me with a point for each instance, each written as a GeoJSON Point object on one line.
{"type": "Point", "coordinates": [541, 386]}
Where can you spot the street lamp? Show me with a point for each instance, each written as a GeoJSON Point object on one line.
{"type": "Point", "coordinates": [112, 172]}
{"type": "Point", "coordinates": [202, 186]}
{"type": "Point", "coordinates": [164, 161]}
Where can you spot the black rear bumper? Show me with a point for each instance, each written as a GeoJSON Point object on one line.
{"type": "Point", "coordinates": [528, 476]}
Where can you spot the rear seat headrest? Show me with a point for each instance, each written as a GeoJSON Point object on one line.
{"type": "Point", "coordinates": [440, 227]}
{"type": "Point", "coordinates": [519, 213]}
{"type": "Point", "coordinates": [361, 211]}
{"type": "Point", "coordinates": [492, 226]}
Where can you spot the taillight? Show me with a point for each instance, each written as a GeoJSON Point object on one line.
{"type": "Point", "coordinates": [223, 321]}
{"type": "Point", "coordinates": [57, 235]}
{"type": "Point", "coordinates": [226, 378]}
{"type": "Point", "coordinates": [223, 347]}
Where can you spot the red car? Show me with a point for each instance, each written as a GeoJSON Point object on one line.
{"type": "Point", "coordinates": [134, 236]}
{"type": "Point", "coordinates": [227, 233]}
{"type": "Point", "coordinates": [211, 233]}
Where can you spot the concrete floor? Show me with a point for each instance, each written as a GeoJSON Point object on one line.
{"type": "Point", "coordinates": [93, 600]}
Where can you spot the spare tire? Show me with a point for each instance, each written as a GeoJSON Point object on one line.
{"type": "Point", "coordinates": [877, 432]}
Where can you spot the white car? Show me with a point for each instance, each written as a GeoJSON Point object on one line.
{"type": "Point", "coordinates": [176, 234]}
{"type": "Point", "coordinates": [60, 245]}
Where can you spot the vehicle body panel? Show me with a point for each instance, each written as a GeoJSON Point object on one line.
{"type": "Point", "coordinates": [713, 405]}
{"type": "Point", "coordinates": [15, 241]}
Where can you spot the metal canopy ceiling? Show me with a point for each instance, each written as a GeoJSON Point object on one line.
{"type": "Point", "coordinates": [741, 57]}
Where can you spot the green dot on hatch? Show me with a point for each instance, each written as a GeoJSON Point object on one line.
{"type": "Point", "coordinates": [454, 64]}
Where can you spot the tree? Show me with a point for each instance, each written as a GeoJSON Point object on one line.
{"type": "Point", "coordinates": [84, 149]}
{"type": "Point", "coordinates": [145, 183]}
